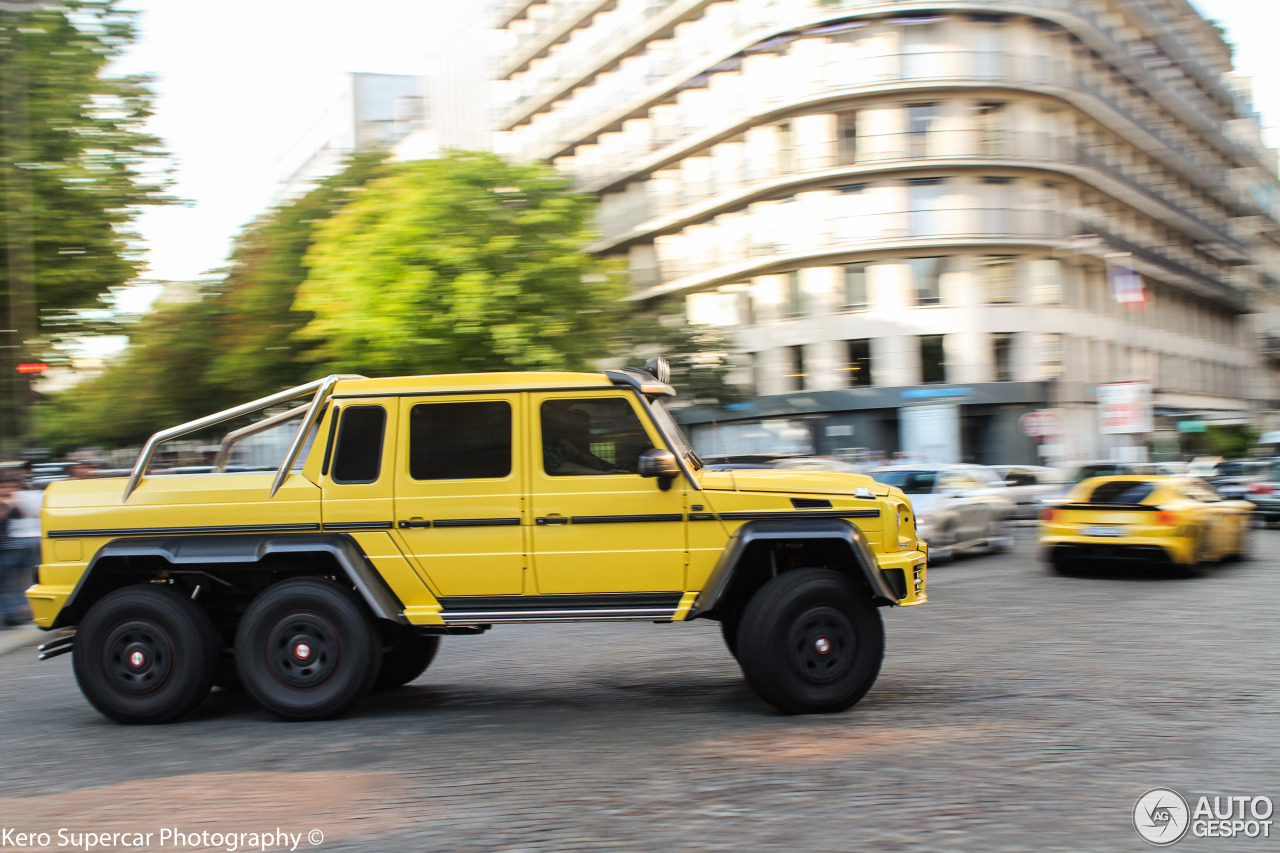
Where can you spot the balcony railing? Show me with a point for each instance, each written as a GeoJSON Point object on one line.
{"type": "Point", "coordinates": [860, 229]}
{"type": "Point", "coordinates": [873, 151]}
{"type": "Point", "coordinates": [793, 237]}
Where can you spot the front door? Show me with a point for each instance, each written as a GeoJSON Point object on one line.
{"type": "Point", "coordinates": [459, 492]}
{"type": "Point", "coordinates": [599, 527]}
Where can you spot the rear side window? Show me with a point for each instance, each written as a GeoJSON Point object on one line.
{"type": "Point", "coordinates": [460, 441]}
{"type": "Point", "coordinates": [1122, 492]}
{"type": "Point", "coordinates": [358, 454]}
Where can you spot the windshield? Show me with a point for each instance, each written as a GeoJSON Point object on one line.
{"type": "Point", "coordinates": [911, 482]}
{"type": "Point", "coordinates": [674, 434]}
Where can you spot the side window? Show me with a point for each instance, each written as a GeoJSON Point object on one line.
{"type": "Point", "coordinates": [460, 441]}
{"type": "Point", "coordinates": [358, 452]}
{"type": "Point", "coordinates": [1019, 477]}
{"type": "Point", "coordinates": [585, 437]}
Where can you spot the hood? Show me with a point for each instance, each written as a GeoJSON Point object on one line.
{"type": "Point", "coordinates": [786, 480]}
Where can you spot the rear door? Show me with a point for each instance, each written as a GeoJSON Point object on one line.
{"type": "Point", "coordinates": [459, 492]}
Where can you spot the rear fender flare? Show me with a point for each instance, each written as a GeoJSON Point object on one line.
{"type": "Point", "coordinates": [240, 549]}
{"type": "Point", "coordinates": [846, 534]}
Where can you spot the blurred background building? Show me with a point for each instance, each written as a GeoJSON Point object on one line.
{"type": "Point", "coordinates": [921, 221]}
{"type": "Point", "coordinates": [370, 111]}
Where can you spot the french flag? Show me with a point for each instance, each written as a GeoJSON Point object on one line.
{"type": "Point", "coordinates": [1126, 285]}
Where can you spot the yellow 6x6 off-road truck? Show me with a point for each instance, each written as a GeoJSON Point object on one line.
{"type": "Point", "coordinates": [410, 508]}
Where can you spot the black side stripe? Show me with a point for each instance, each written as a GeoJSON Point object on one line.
{"type": "Point", "coordinates": [357, 525]}
{"type": "Point", "coordinates": [702, 516]}
{"type": "Point", "coordinates": [161, 531]}
{"type": "Point", "coordinates": [475, 522]}
{"type": "Point", "coordinates": [805, 513]}
{"type": "Point", "coordinates": [615, 519]}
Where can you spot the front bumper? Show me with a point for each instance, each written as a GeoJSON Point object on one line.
{"type": "Point", "coordinates": [905, 572]}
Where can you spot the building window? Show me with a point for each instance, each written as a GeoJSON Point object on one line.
{"type": "Point", "coordinates": [933, 362]}
{"type": "Point", "coordinates": [856, 296]}
{"type": "Point", "coordinates": [1002, 355]}
{"type": "Point", "coordinates": [926, 278]}
{"type": "Point", "coordinates": [795, 361]}
{"type": "Point", "coordinates": [1049, 356]}
{"type": "Point", "coordinates": [846, 139]}
{"type": "Point", "coordinates": [786, 144]}
{"type": "Point", "coordinates": [991, 129]}
{"type": "Point", "coordinates": [1046, 281]}
{"type": "Point", "coordinates": [920, 120]}
{"type": "Point", "coordinates": [795, 295]}
{"type": "Point", "coordinates": [998, 281]}
{"type": "Point", "coordinates": [859, 366]}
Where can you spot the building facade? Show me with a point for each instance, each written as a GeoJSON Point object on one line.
{"type": "Point", "coordinates": [921, 221]}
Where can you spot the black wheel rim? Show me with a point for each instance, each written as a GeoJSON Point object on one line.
{"type": "Point", "coordinates": [137, 657]}
{"type": "Point", "coordinates": [822, 645]}
{"type": "Point", "coordinates": [303, 650]}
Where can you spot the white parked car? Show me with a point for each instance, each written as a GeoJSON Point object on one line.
{"type": "Point", "coordinates": [1028, 486]}
{"type": "Point", "coordinates": [958, 507]}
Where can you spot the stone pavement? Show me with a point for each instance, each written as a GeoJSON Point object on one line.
{"type": "Point", "coordinates": [1018, 711]}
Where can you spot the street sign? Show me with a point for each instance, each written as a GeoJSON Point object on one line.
{"type": "Point", "coordinates": [1124, 408]}
{"type": "Point", "coordinates": [1040, 424]}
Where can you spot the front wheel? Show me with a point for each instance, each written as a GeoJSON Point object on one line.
{"type": "Point", "coordinates": [406, 659]}
{"type": "Point", "coordinates": [810, 642]}
{"type": "Point", "coordinates": [307, 649]}
{"type": "Point", "coordinates": [145, 654]}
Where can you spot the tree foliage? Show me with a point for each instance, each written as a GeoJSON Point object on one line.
{"type": "Point", "coordinates": [233, 343]}
{"type": "Point", "coordinates": [466, 263]}
{"type": "Point", "coordinates": [699, 355]}
{"type": "Point", "coordinates": [87, 162]}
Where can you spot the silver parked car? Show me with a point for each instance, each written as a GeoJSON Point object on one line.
{"type": "Point", "coordinates": [957, 507]}
{"type": "Point", "coordinates": [1029, 485]}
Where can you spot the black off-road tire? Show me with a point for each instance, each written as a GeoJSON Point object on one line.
{"type": "Point", "coordinates": [729, 627]}
{"type": "Point", "coordinates": [406, 659]}
{"type": "Point", "coordinates": [307, 649]}
{"type": "Point", "coordinates": [145, 654]}
{"type": "Point", "coordinates": [811, 642]}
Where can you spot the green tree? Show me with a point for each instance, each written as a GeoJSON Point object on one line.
{"type": "Point", "coordinates": [466, 263]}
{"type": "Point", "coordinates": [699, 355]}
{"type": "Point", "coordinates": [231, 344]}
{"type": "Point", "coordinates": [76, 165]}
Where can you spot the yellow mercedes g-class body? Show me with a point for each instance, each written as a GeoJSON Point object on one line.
{"type": "Point", "coordinates": [415, 507]}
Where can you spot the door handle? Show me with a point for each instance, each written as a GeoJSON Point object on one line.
{"type": "Point", "coordinates": [552, 519]}
{"type": "Point", "coordinates": [415, 522]}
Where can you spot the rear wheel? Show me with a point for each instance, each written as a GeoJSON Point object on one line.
{"type": "Point", "coordinates": [406, 659]}
{"type": "Point", "coordinates": [145, 654]}
{"type": "Point", "coordinates": [307, 649]}
{"type": "Point", "coordinates": [810, 642]}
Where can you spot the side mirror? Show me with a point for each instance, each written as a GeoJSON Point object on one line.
{"type": "Point", "coordinates": [656, 462]}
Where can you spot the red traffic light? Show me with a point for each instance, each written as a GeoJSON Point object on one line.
{"type": "Point", "coordinates": [33, 368]}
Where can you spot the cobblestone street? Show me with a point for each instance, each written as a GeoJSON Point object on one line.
{"type": "Point", "coordinates": [1017, 710]}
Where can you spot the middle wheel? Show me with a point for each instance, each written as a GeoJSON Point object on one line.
{"type": "Point", "coordinates": [307, 649]}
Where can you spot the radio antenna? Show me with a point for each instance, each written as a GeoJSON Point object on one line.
{"type": "Point", "coordinates": [733, 479]}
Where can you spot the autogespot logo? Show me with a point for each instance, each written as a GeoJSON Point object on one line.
{"type": "Point", "coordinates": [1161, 816]}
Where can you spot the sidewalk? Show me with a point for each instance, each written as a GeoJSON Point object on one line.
{"type": "Point", "coordinates": [25, 637]}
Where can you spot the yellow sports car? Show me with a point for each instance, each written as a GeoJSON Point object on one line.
{"type": "Point", "coordinates": [1175, 521]}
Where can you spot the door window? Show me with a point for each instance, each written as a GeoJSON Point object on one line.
{"type": "Point", "coordinates": [460, 441]}
{"type": "Point", "coordinates": [591, 437]}
{"type": "Point", "coordinates": [358, 453]}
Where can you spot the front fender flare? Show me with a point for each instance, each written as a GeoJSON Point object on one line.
{"type": "Point", "coordinates": [752, 532]}
{"type": "Point", "coordinates": [241, 549]}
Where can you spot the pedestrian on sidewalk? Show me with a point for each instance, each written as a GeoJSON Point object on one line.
{"type": "Point", "coordinates": [19, 548]}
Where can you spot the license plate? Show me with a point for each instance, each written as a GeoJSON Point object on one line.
{"type": "Point", "coordinates": [1104, 531]}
